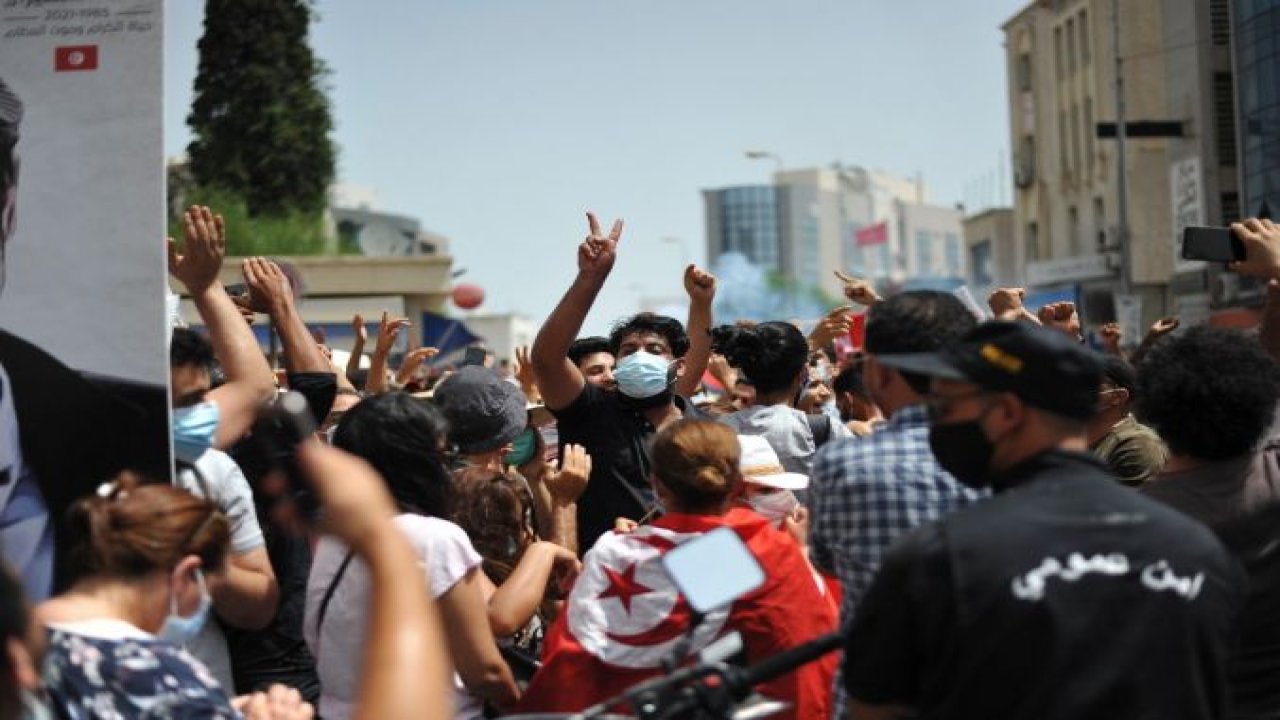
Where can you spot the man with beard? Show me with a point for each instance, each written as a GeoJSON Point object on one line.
{"type": "Point", "coordinates": [615, 425]}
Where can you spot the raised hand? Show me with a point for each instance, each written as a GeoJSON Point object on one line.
{"type": "Point", "coordinates": [598, 251]}
{"type": "Point", "coordinates": [1163, 327]}
{"type": "Point", "coordinates": [1261, 240]}
{"type": "Point", "coordinates": [360, 330]}
{"type": "Point", "coordinates": [836, 323]}
{"type": "Point", "coordinates": [523, 371]}
{"type": "Point", "coordinates": [720, 369]}
{"type": "Point", "coordinates": [1006, 302]}
{"type": "Point", "coordinates": [388, 329]}
{"type": "Point", "coordinates": [1057, 312]}
{"type": "Point", "coordinates": [567, 484]}
{"type": "Point", "coordinates": [699, 284]}
{"type": "Point", "coordinates": [412, 361]}
{"type": "Point", "coordinates": [797, 525]}
{"type": "Point", "coordinates": [1111, 336]}
{"type": "Point", "coordinates": [269, 288]}
{"type": "Point", "coordinates": [1061, 316]}
{"type": "Point", "coordinates": [858, 290]}
{"type": "Point", "coordinates": [204, 247]}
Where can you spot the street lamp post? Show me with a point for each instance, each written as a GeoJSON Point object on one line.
{"type": "Point", "coordinates": [763, 155]}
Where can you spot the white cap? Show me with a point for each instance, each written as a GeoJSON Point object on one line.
{"type": "Point", "coordinates": [759, 464]}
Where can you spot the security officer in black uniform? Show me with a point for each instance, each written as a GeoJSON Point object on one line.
{"type": "Point", "coordinates": [1066, 595]}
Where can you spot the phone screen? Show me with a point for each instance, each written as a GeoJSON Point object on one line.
{"type": "Point", "coordinates": [1213, 244]}
{"type": "Point", "coordinates": [550, 441]}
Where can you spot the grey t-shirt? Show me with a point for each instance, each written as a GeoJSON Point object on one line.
{"type": "Point", "coordinates": [787, 431]}
{"type": "Point", "coordinates": [221, 480]}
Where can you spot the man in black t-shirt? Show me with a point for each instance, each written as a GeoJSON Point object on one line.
{"type": "Point", "coordinates": [615, 425]}
{"type": "Point", "coordinates": [1064, 596]}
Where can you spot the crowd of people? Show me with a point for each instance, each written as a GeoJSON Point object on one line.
{"type": "Point", "coordinates": [1002, 520]}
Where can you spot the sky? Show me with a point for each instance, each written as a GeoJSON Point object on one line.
{"type": "Point", "coordinates": [499, 123]}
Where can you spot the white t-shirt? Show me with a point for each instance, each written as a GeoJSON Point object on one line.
{"type": "Point", "coordinates": [228, 489]}
{"type": "Point", "coordinates": [445, 553]}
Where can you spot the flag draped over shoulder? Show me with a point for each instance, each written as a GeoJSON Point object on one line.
{"type": "Point", "coordinates": [624, 617]}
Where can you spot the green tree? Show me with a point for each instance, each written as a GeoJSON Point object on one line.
{"type": "Point", "coordinates": [260, 117]}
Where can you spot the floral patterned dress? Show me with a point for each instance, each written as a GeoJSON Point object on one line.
{"type": "Point", "coordinates": [109, 670]}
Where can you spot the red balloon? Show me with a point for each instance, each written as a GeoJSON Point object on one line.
{"type": "Point", "coordinates": [468, 296]}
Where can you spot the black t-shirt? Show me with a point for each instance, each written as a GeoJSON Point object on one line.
{"type": "Point", "coordinates": [1254, 670]}
{"type": "Point", "coordinates": [277, 653]}
{"type": "Point", "coordinates": [1066, 595]}
{"type": "Point", "coordinates": [616, 437]}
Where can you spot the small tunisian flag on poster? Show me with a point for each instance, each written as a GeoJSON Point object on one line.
{"type": "Point", "coordinates": [68, 58]}
{"type": "Point", "coordinates": [624, 617]}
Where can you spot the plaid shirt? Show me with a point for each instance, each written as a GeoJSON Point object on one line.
{"type": "Point", "coordinates": [866, 492]}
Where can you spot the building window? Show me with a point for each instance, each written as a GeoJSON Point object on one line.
{"type": "Point", "coordinates": [924, 253]}
{"type": "Point", "coordinates": [1024, 167]}
{"type": "Point", "coordinates": [1024, 72]}
{"type": "Point", "coordinates": [1032, 241]}
{"type": "Point", "coordinates": [1073, 232]}
{"type": "Point", "coordinates": [955, 266]}
{"type": "Point", "coordinates": [1086, 52]}
{"type": "Point", "coordinates": [1076, 165]}
{"type": "Point", "coordinates": [1059, 64]}
{"type": "Point", "coordinates": [1099, 223]}
{"type": "Point", "coordinates": [1070, 41]}
{"type": "Point", "coordinates": [1230, 207]}
{"type": "Point", "coordinates": [1224, 117]}
{"type": "Point", "coordinates": [1220, 21]}
{"type": "Point", "coordinates": [1089, 132]}
{"type": "Point", "coordinates": [1063, 156]}
{"type": "Point", "coordinates": [980, 263]}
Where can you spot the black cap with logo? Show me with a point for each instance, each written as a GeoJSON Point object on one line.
{"type": "Point", "coordinates": [1043, 367]}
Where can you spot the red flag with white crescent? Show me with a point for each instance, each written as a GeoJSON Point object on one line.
{"type": "Point", "coordinates": [624, 617]}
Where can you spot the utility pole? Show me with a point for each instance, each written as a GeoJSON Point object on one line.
{"type": "Point", "coordinates": [1122, 195]}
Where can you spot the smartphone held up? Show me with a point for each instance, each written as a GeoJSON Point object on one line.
{"type": "Point", "coordinates": [1212, 244]}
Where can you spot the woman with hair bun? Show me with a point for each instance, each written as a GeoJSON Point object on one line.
{"type": "Point", "coordinates": [144, 556]}
{"type": "Point", "coordinates": [774, 356]}
{"type": "Point", "coordinates": [624, 617]}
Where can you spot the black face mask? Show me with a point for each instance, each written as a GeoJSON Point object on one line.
{"type": "Point", "coordinates": [963, 450]}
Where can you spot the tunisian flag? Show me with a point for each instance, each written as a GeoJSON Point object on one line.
{"type": "Point", "coordinates": [624, 617]}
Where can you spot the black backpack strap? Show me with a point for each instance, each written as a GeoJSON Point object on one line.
{"type": "Point", "coordinates": [328, 592]}
{"type": "Point", "coordinates": [820, 428]}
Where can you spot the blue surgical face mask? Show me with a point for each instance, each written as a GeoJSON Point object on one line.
{"type": "Point", "coordinates": [643, 375]}
{"type": "Point", "coordinates": [179, 630]}
{"type": "Point", "coordinates": [194, 429]}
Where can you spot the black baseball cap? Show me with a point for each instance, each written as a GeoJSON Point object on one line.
{"type": "Point", "coordinates": [1043, 367]}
